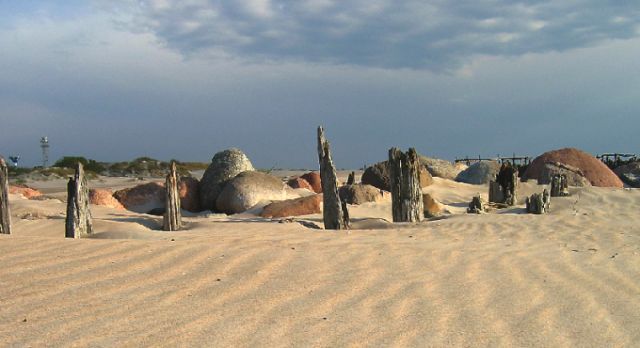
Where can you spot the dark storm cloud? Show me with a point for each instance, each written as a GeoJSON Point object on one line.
{"type": "Point", "coordinates": [384, 33]}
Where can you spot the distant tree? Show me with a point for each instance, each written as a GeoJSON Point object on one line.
{"type": "Point", "coordinates": [70, 162]}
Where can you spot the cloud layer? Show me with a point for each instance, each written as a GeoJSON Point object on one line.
{"type": "Point", "coordinates": [432, 34]}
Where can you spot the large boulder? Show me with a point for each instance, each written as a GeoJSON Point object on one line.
{"type": "Point", "coordinates": [146, 197]}
{"type": "Point", "coordinates": [142, 198]}
{"type": "Point", "coordinates": [224, 166]}
{"type": "Point", "coordinates": [189, 193]}
{"type": "Point", "coordinates": [293, 207]}
{"type": "Point", "coordinates": [248, 189]}
{"type": "Point", "coordinates": [360, 193]}
{"type": "Point", "coordinates": [104, 197]}
{"type": "Point", "coordinates": [378, 175]}
{"type": "Point", "coordinates": [479, 173]}
{"type": "Point", "coordinates": [629, 173]}
{"type": "Point", "coordinates": [441, 168]}
{"type": "Point", "coordinates": [575, 176]}
{"type": "Point", "coordinates": [313, 178]}
{"type": "Point", "coordinates": [596, 172]}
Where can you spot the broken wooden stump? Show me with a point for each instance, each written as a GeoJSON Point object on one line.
{"type": "Point", "coordinates": [5, 217]}
{"type": "Point", "coordinates": [78, 222]}
{"type": "Point", "coordinates": [559, 185]}
{"type": "Point", "coordinates": [172, 218]}
{"type": "Point", "coordinates": [406, 193]}
{"type": "Point", "coordinates": [477, 205]}
{"type": "Point", "coordinates": [503, 189]}
{"type": "Point", "coordinates": [333, 212]}
{"type": "Point", "coordinates": [351, 179]}
{"type": "Point", "coordinates": [539, 203]}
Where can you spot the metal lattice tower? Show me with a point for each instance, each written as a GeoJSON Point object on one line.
{"type": "Point", "coordinates": [44, 144]}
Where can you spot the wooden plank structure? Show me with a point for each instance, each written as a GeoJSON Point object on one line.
{"type": "Point", "coordinates": [334, 212]}
{"type": "Point", "coordinates": [5, 216]}
{"type": "Point", "coordinates": [406, 193]}
{"type": "Point", "coordinates": [172, 220]}
{"type": "Point", "coordinates": [517, 161]}
{"type": "Point", "coordinates": [78, 222]}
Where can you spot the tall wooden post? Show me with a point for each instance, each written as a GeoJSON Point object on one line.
{"type": "Point", "coordinates": [406, 193]}
{"type": "Point", "coordinates": [78, 222]}
{"type": "Point", "coordinates": [172, 218]}
{"type": "Point", "coordinates": [5, 217]}
{"type": "Point", "coordinates": [332, 212]}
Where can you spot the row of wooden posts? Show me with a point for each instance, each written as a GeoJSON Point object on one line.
{"type": "Point", "coordinates": [406, 194]}
{"type": "Point", "coordinates": [78, 221]}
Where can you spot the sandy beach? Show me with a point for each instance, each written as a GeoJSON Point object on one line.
{"type": "Point", "coordinates": [506, 278]}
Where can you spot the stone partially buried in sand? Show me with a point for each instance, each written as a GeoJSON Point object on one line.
{"type": "Point", "coordinates": [313, 178]}
{"type": "Point", "coordinates": [596, 172]}
{"type": "Point", "coordinates": [224, 166]}
{"type": "Point", "coordinates": [25, 191]}
{"type": "Point", "coordinates": [293, 207]}
{"type": "Point", "coordinates": [147, 197]}
{"type": "Point", "coordinates": [629, 173]}
{"type": "Point", "coordinates": [297, 183]}
{"type": "Point", "coordinates": [360, 193]}
{"type": "Point", "coordinates": [104, 197]}
{"type": "Point", "coordinates": [479, 173]}
{"type": "Point", "coordinates": [441, 168]}
{"type": "Point", "coordinates": [250, 188]}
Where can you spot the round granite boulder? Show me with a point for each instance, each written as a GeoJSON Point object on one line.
{"type": "Point", "coordinates": [224, 166]}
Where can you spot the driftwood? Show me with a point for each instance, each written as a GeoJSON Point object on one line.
{"type": "Point", "coordinates": [78, 222]}
{"type": "Point", "coordinates": [406, 193]}
{"type": "Point", "coordinates": [539, 203]}
{"type": "Point", "coordinates": [333, 211]}
{"type": "Point", "coordinates": [495, 192]}
{"type": "Point", "coordinates": [5, 217]}
{"type": "Point", "coordinates": [172, 220]}
{"type": "Point", "coordinates": [477, 206]}
{"type": "Point", "coordinates": [559, 185]}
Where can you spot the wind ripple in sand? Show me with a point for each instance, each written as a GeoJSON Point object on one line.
{"type": "Point", "coordinates": [570, 278]}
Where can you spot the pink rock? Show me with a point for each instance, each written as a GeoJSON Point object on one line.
{"type": "Point", "coordinates": [25, 191]}
{"type": "Point", "coordinates": [313, 178]}
{"type": "Point", "coordinates": [189, 192]}
{"type": "Point", "coordinates": [293, 207]}
{"type": "Point", "coordinates": [105, 198]}
{"type": "Point", "coordinates": [300, 183]}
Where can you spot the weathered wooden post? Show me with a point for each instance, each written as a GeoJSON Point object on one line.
{"type": "Point", "coordinates": [503, 189]}
{"type": "Point", "coordinates": [5, 217]}
{"type": "Point", "coordinates": [406, 193]}
{"type": "Point", "coordinates": [351, 179]}
{"type": "Point", "coordinates": [333, 215]}
{"type": "Point", "coordinates": [476, 206]}
{"type": "Point", "coordinates": [78, 221]}
{"type": "Point", "coordinates": [172, 220]}
{"type": "Point", "coordinates": [559, 185]}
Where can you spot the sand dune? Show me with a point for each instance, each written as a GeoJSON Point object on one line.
{"type": "Point", "coordinates": [569, 278]}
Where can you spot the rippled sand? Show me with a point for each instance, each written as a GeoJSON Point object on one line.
{"type": "Point", "coordinates": [570, 278]}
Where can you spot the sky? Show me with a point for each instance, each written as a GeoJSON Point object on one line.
{"type": "Point", "coordinates": [115, 80]}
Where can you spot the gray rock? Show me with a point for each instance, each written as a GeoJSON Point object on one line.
{"type": "Point", "coordinates": [224, 166]}
{"type": "Point", "coordinates": [440, 168]}
{"type": "Point", "coordinates": [575, 176]}
{"type": "Point", "coordinates": [479, 173]}
{"type": "Point", "coordinates": [249, 188]}
{"type": "Point", "coordinates": [360, 193]}
{"type": "Point", "coordinates": [629, 174]}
